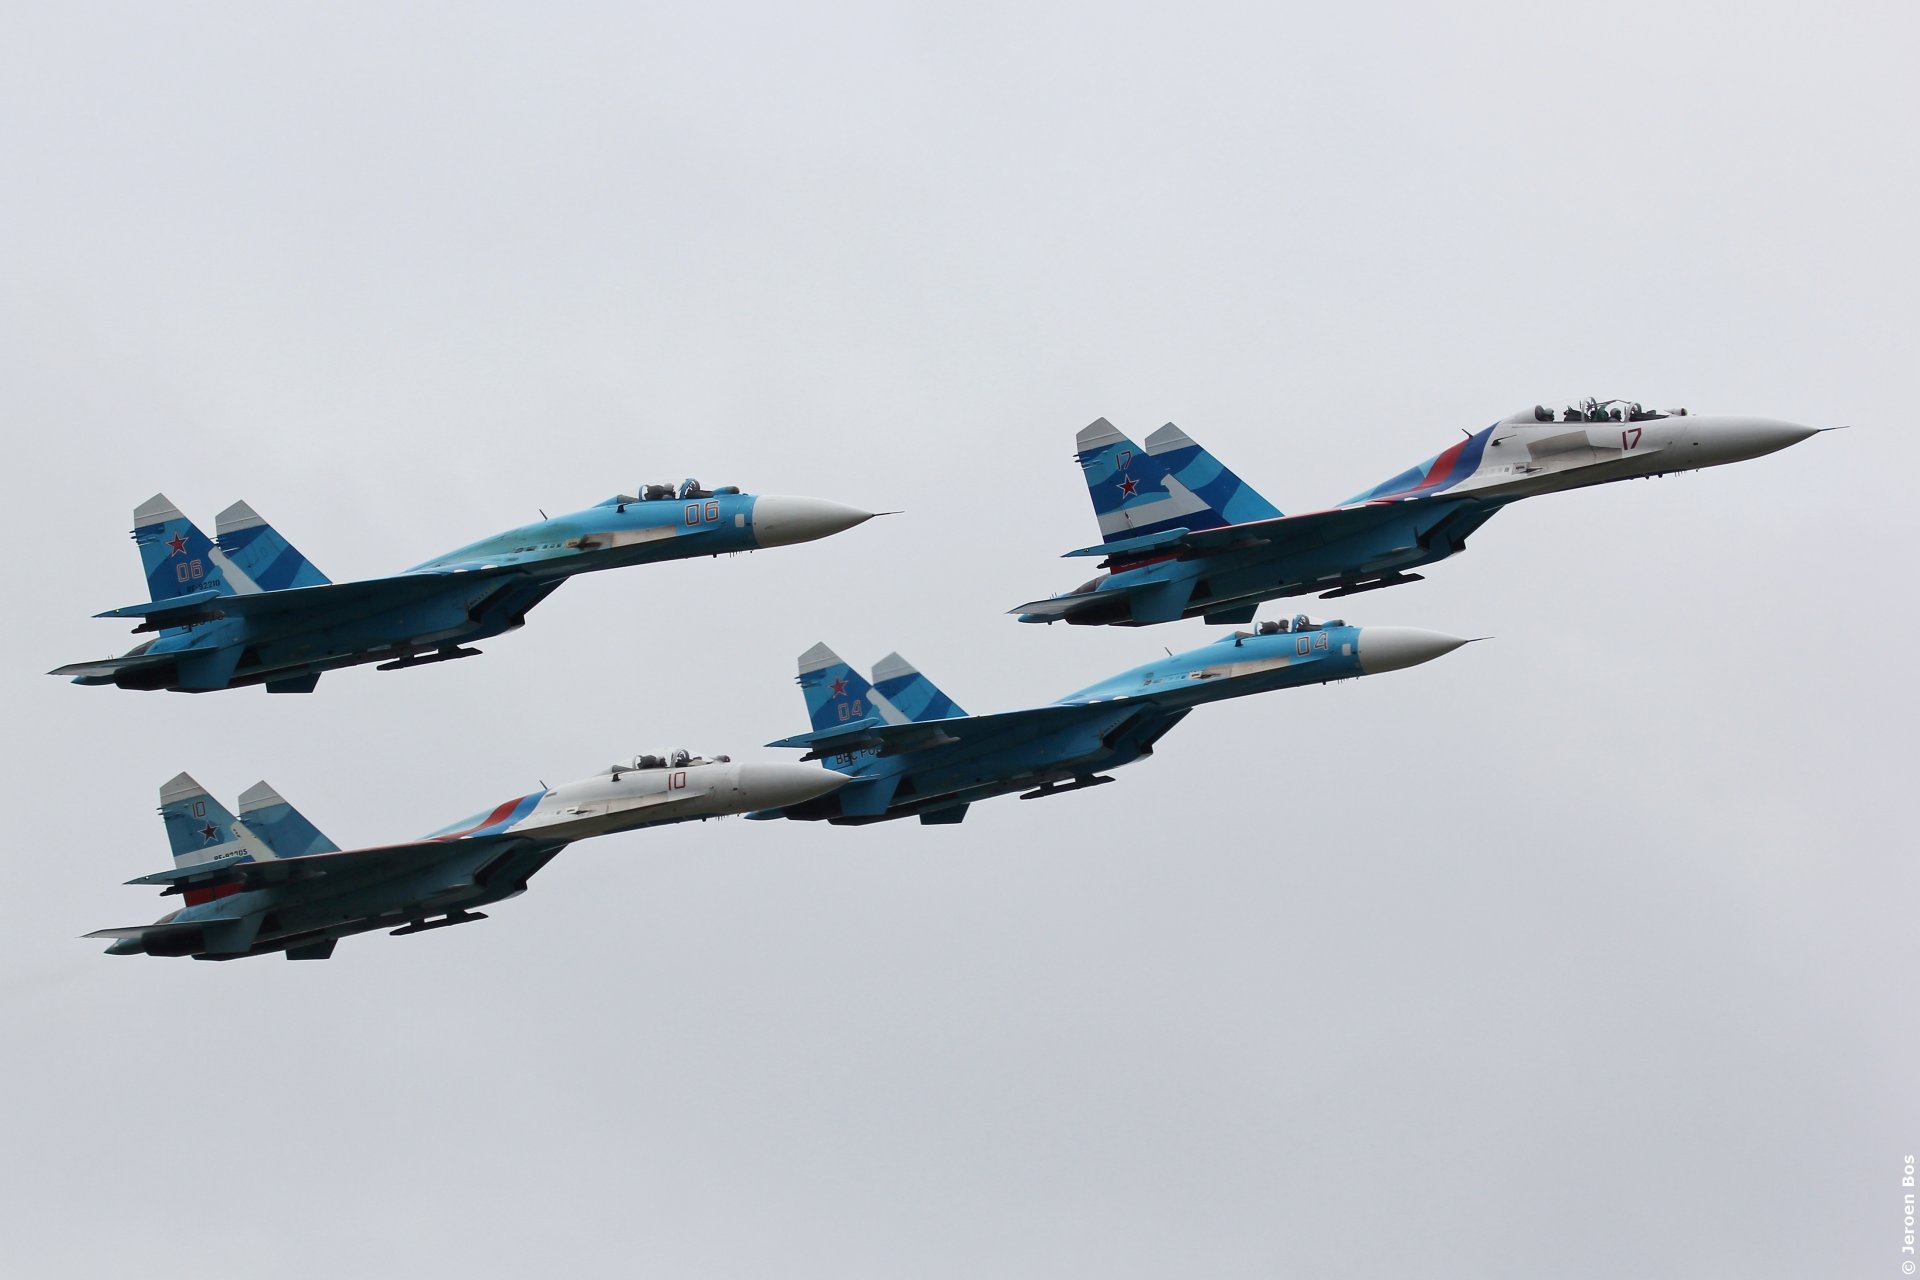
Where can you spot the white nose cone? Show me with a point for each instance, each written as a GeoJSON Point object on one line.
{"type": "Point", "coordinates": [778, 522]}
{"type": "Point", "coordinates": [1737, 439]}
{"type": "Point", "coordinates": [1391, 648]}
{"type": "Point", "coordinates": [775, 786]}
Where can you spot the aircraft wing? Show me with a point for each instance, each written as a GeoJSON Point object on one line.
{"type": "Point", "coordinates": [923, 735]}
{"type": "Point", "coordinates": [1296, 533]}
{"type": "Point", "coordinates": [1164, 600]}
{"type": "Point", "coordinates": [391, 859]}
{"type": "Point", "coordinates": [337, 599]}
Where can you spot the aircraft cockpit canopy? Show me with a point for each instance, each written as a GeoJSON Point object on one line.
{"type": "Point", "coordinates": [1284, 626]}
{"type": "Point", "coordinates": [1593, 410]}
{"type": "Point", "coordinates": [678, 758]}
{"type": "Point", "coordinates": [688, 488]}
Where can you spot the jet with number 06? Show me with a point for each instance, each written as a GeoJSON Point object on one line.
{"type": "Point", "coordinates": [268, 881]}
{"type": "Point", "coordinates": [246, 608]}
{"type": "Point", "coordinates": [1184, 537]}
{"type": "Point", "coordinates": [909, 751]}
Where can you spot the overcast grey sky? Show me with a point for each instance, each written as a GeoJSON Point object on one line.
{"type": "Point", "coordinates": [1586, 952]}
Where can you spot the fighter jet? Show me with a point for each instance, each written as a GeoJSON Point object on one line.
{"type": "Point", "coordinates": [247, 608]}
{"type": "Point", "coordinates": [267, 880]}
{"type": "Point", "coordinates": [1183, 536]}
{"type": "Point", "coordinates": [908, 749]}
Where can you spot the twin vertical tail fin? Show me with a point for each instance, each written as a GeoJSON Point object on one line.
{"type": "Point", "coordinates": [177, 557]}
{"type": "Point", "coordinates": [916, 697]}
{"type": "Point", "coordinates": [1172, 483]}
{"type": "Point", "coordinates": [1225, 494]}
{"type": "Point", "coordinates": [199, 827]}
{"type": "Point", "coordinates": [1124, 482]}
{"type": "Point", "coordinates": [256, 549]}
{"type": "Point", "coordinates": [283, 829]}
{"type": "Point", "coordinates": [837, 694]}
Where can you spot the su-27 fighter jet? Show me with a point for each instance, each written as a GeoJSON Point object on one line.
{"type": "Point", "coordinates": [267, 880]}
{"type": "Point", "coordinates": [247, 608]}
{"type": "Point", "coordinates": [1182, 536]}
{"type": "Point", "coordinates": [907, 749]}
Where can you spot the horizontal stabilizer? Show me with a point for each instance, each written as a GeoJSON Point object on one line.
{"type": "Point", "coordinates": [1133, 546]}
{"type": "Point", "coordinates": [182, 604]}
{"type": "Point", "coordinates": [137, 931]}
{"type": "Point", "coordinates": [104, 670]}
{"type": "Point", "coordinates": [193, 871]}
{"type": "Point", "coordinates": [854, 730]}
{"type": "Point", "coordinates": [1056, 608]}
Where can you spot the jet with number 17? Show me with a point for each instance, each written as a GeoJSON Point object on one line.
{"type": "Point", "coordinates": [1184, 537]}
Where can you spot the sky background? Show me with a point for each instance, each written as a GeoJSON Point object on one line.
{"type": "Point", "coordinates": [1588, 951]}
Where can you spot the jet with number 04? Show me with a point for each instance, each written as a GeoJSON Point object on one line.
{"type": "Point", "coordinates": [909, 751]}
{"type": "Point", "coordinates": [246, 608]}
{"type": "Point", "coordinates": [268, 881]}
{"type": "Point", "coordinates": [1184, 537]}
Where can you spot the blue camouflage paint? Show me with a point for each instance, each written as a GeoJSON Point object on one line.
{"type": "Point", "coordinates": [178, 559]}
{"type": "Point", "coordinates": [1120, 475]}
{"type": "Point", "coordinates": [195, 824]}
{"type": "Point", "coordinates": [298, 625]}
{"type": "Point", "coordinates": [916, 697]}
{"type": "Point", "coordinates": [269, 560]}
{"type": "Point", "coordinates": [1226, 494]}
{"type": "Point", "coordinates": [286, 831]}
{"type": "Point", "coordinates": [935, 765]}
{"type": "Point", "coordinates": [491, 823]}
{"type": "Point", "coordinates": [1436, 475]}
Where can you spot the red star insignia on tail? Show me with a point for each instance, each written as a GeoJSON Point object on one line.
{"type": "Point", "coordinates": [1129, 486]}
{"type": "Point", "coordinates": [839, 686]}
{"type": "Point", "coordinates": [179, 543]}
{"type": "Point", "coordinates": [209, 833]}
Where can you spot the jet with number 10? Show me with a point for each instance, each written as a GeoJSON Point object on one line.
{"type": "Point", "coordinates": [246, 608]}
{"type": "Point", "coordinates": [268, 881]}
{"type": "Point", "coordinates": [1184, 537]}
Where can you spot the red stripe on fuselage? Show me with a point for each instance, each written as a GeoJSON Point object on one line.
{"type": "Point", "coordinates": [1442, 468]}
{"type": "Point", "coordinates": [497, 815]}
{"type": "Point", "coordinates": [194, 897]}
